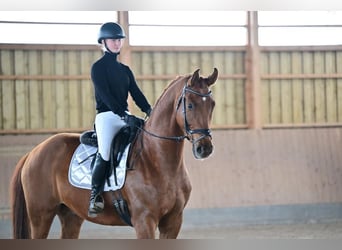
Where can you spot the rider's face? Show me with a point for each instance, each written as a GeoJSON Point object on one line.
{"type": "Point", "coordinates": [114, 45]}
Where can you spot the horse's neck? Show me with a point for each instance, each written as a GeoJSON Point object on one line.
{"type": "Point", "coordinates": [163, 119]}
{"type": "Point", "coordinates": [163, 123]}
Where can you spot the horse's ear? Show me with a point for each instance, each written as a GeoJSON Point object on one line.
{"type": "Point", "coordinates": [195, 78]}
{"type": "Point", "coordinates": [213, 77]}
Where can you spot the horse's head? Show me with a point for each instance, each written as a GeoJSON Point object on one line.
{"type": "Point", "coordinates": [194, 112]}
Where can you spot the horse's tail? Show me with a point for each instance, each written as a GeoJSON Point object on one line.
{"type": "Point", "coordinates": [20, 221]}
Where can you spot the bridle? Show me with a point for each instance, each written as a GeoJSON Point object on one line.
{"type": "Point", "coordinates": [190, 132]}
{"type": "Point", "coordinates": [204, 132]}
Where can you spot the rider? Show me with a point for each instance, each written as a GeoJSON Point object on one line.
{"type": "Point", "coordinates": [112, 82]}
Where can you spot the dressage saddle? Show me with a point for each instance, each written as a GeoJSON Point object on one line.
{"type": "Point", "coordinates": [125, 136]}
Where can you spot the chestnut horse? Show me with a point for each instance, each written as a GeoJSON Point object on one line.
{"type": "Point", "coordinates": [156, 190]}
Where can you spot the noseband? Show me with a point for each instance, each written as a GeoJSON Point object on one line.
{"type": "Point", "coordinates": [189, 132]}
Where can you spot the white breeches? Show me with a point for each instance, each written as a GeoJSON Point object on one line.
{"type": "Point", "coordinates": [107, 125]}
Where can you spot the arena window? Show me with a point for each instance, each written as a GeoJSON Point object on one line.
{"type": "Point", "coordinates": [52, 27]}
{"type": "Point", "coordinates": [305, 28]}
{"type": "Point", "coordinates": [174, 28]}
{"type": "Point", "coordinates": [187, 28]}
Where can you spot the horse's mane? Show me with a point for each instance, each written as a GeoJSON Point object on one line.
{"type": "Point", "coordinates": [172, 83]}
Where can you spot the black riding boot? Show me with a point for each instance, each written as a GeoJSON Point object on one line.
{"type": "Point", "coordinates": [96, 204]}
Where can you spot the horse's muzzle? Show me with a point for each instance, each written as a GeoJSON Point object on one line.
{"type": "Point", "coordinates": [202, 148]}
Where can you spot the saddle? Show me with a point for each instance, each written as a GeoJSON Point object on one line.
{"type": "Point", "coordinates": [125, 136]}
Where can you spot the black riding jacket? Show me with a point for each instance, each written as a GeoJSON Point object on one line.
{"type": "Point", "coordinates": [112, 82]}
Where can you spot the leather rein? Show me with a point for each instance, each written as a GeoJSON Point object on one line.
{"type": "Point", "coordinates": [189, 132]}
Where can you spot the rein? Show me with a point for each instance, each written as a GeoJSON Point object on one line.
{"type": "Point", "coordinates": [189, 132]}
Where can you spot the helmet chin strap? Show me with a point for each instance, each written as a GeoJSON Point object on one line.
{"type": "Point", "coordinates": [108, 50]}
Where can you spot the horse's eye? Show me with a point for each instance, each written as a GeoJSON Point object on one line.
{"type": "Point", "coordinates": [190, 106]}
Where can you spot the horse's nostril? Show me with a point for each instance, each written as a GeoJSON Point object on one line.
{"type": "Point", "coordinates": [200, 150]}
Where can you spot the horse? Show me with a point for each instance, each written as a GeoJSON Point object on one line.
{"type": "Point", "coordinates": [157, 188]}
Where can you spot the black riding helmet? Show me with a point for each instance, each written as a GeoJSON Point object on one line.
{"type": "Point", "coordinates": [112, 31]}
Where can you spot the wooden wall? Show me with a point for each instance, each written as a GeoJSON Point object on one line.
{"type": "Point", "coordinates": [248, 167]}
{"type": "Point", "coordinates": [268, 167]}
{"type": "Point", "coordinates": [49, 88]}
{"type": "Point", "coordinates": [301, 87]}
{"type": "Point", "coordinates": [46, 89]}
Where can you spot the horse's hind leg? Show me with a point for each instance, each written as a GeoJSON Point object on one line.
{"type": "Point", "coordinates": [70, 223]}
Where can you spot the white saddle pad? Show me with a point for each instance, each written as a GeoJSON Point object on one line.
{"type": "Point", "coordinates": [80, 172]}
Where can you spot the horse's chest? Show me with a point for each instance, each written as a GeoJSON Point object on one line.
{"type": "Point", "coordinates": [178, 189]}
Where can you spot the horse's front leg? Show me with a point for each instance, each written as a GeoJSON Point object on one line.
{"type": "Point", "coordinates": [145, 227]}
{"type": "Point", "coordinates": [170, 226]}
